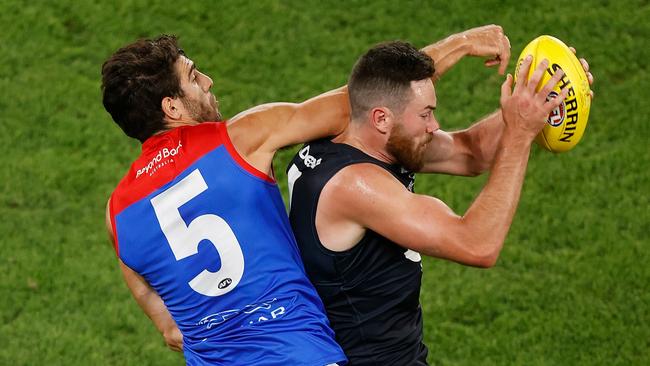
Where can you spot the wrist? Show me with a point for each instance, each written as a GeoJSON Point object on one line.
{"type": "Point", "coordinates": [447, 53]}
{"type": "Point", "coordinates": [516, 139]}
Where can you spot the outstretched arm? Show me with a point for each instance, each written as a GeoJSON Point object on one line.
{"type": "Point", "coordinates": [149, 301]}
{"type": "Point", "coordinates": [259, 132]}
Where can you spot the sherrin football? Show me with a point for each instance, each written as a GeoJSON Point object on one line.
{"type": "Point", "coordinates": [566, 124]}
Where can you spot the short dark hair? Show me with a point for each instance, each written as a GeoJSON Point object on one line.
{"type": "Point", "coordinates": [135, 79]}
{"type": "Point", "coordinates": [383, 75]}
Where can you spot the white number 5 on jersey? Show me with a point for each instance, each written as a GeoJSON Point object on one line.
{"type": "Point", "coordinates": [184, 239]}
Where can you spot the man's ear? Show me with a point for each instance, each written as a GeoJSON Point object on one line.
{"type": "Point", "coordinates": [382, 119]}
{"type": "Point", "coordinates": [172, 107]}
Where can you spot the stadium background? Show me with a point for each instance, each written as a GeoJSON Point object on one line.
{"type": "Point", "coordinates": [572, 283]}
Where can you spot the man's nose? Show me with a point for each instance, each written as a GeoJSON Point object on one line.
{"type": "Point", "coordinates": [433, 126]}
{"type": "Point", "coordinates": [207, 83]}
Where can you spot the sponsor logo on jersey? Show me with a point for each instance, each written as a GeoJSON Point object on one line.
{"type": "Point", "coordinates": [308, 160]}
{"type": "Point", "coordinates": [261, 312]}
{"type": "Point", "coordinates": [162, 158]}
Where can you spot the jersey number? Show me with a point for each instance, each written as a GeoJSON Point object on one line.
{"type": "Point", "coordinates": [184, 239]}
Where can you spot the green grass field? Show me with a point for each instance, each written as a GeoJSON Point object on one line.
{"type": "Point", "coordinates": [572, 286]}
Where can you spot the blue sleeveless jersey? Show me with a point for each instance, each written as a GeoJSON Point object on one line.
{"type": "Point", "coordinates": [211, 235]}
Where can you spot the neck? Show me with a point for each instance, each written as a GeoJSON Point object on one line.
{"type": "Point", "coordinates": [170, 125]}
{"type": "Point", "coordinates": [364, 137]}
{"type": "Point", "coordinates": [179, 123]}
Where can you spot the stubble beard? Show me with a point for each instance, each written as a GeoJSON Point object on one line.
{"type": "Point", "coordinates": [404, 149]}
{"type": "Point", "coordinates": [202, 112]}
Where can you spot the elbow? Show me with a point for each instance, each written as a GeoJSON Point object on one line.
{"type": "Point", "coordinates": [478, 168]}
{"type": "Point", "coordinates": [486, 261]}
{"type": "Point", "coordinates": [474, 173]}
{"type": "Point", "coordinates": [485, 256]}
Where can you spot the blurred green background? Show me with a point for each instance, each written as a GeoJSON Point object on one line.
{"type": "Point", "coordinates": [571, 286]}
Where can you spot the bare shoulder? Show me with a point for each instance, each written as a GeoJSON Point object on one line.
{"type": "Point", "coordinates": [358, 187]}
{"type": "Point", "coordinates": [361, 176]}
{"type": "Point", "coordinates": [249, 138]}
{"type": "Point", "coordinates": [246, 132]}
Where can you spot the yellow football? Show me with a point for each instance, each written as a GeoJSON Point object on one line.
{"type": "Point", "coordinates": [566, 124]}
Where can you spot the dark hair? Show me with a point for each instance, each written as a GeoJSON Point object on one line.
{"type": "Point", "coordinates": [383, 75]}
{"type": "Point", "coordinates": [135, 79]}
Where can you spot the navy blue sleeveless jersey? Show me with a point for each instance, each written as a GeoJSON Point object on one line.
{"type": "Point", "coordinates": [371, 292]}
{"type": "Point", "coordinates": [211, 235]}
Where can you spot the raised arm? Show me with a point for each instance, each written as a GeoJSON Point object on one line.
{"type": "Point", "coordinates": [486, 41]}
{"type": "Point", "coordinates": [149, 301]}
{"type": "Point", "coordinates": [259, 132]}
{"type": "Point", "coordinates": [370, 197]}
{"type": "Point", "coordinates": [470, 151]}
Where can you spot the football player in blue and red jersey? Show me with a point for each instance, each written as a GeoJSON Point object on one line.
{"type": "Point", "coordinates": [198, 222]}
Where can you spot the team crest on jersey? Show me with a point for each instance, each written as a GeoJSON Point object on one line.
{"type": "Point", "coordinates": [308, 160]}
{"type": "Point", "coordinates": [412, 255]}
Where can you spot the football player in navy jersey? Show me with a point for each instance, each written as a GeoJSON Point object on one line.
{"type": "Point", "coordinates": [358, 223]}
{"type": "Point", "coordinates": [198, 223]}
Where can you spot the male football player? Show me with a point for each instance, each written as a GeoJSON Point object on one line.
{"type": "Point", "coordinates": [358, 223]}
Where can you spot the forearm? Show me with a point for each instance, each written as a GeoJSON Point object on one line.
{"type": "Point", "coordinates": [446, 53]}
{"type": "Point", "coordinates": [483, 139]}
{"type": "Point", "coordinates": [524, 113]}
{"type": "Point", "coordinates": [154, 307]}
{"type": "Point", "coordinates": [486, 41]}
{"type": "Point", "coordinates": [488, 219]}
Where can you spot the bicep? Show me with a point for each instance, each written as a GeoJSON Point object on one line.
{"type": "Point", "coordinates": [109, 226]}
{"type": "Point", "coordinates": [450, 153]}
{"type": "Point", "coordinates": [418, 222]}
{"type": "Point", "coordinates": [421, 223]}
{"type": "Point", "coordinates": [136, 284]}
{"type": "Point", "coordinates": [325, 115]}
{"type": "Point", "coordinates": [270, 127]}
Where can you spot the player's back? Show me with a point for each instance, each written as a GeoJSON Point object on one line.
{"type": "Point", "coordinates": [210, 234]}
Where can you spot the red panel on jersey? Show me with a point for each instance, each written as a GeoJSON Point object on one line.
{"type": "Point", "coordinates": [165, 155]}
